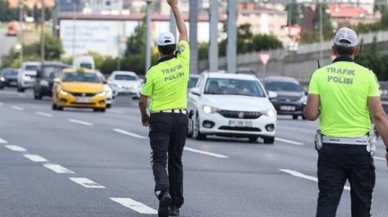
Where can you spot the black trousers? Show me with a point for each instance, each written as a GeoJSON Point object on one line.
{"type": "Point", "coordinates": [168, 137]}
{"type": "Point", "coordinates": [338, 163]}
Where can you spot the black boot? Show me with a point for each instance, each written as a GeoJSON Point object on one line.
{"type": "Point", "coordinates": [174, 211]}
{"type": "Point", "coordinates": [164, 203]}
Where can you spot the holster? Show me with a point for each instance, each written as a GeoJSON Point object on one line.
{"type": "Point", "coordinates": [318, 140]}
{"type": "Point", "coordinates": [190, 127]}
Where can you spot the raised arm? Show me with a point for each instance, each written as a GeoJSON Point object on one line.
{"type": "Point", "coordinates": [180, 22]}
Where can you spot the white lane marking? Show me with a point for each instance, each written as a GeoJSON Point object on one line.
{"type": "Point", "coordinates": [35, 158]}
{"type": "Point", "coordinates": [58, 168]}
{"type": "Point", "coordinates": [21, 95]}
{"type": "Point", "coordinates": [134, 205]}
{"type": "Point", "coordinates": [3, 141]}
{"type": "Point", "coordinates": [44, 114]}
{"type": "Point", "coordinates": [129, 133]}
{"type": "Point", "coordinates": [303, 176]}
{"type": "Point", "coordinates": [379, 158]}
{"type": "Point", "coordinates": [205, 152]}
{"type": "Point", "coordinates": [15, 148]}
{"type": "Point", "coordinates": [80, 122]}
{"type": "Point", "coordinates": [17, 108]}
{"type": "Point", "coordinates": [288, 141]}
{"type": "Point", "coordinates": [87, 183]}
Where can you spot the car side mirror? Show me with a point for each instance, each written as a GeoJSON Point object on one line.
{"type": "Point", "coordinates": [272, 95]}
{"type": "Point", "coordinates": [195, 91]}
{"type": "Point", "coordinates": [56, 80]}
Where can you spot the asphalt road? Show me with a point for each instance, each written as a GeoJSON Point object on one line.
{"type": "Point", "coordinates": [78, 163]}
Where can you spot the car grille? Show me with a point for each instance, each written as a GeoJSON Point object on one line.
{"type": "Point", "coordinates": [83, 94]}
{"type": "Point", "coordinates": [287, 99]}
{"type": "Point", "coordinates": [237, 114]}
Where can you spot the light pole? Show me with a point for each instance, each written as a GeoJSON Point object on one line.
{"type": "Point", "coordinates": [21, 31]}
{"type": "Point", "coordinates": [231, 49]}
{"type": "Point", "coordinates": [193, 34]}
{"type": "Point", "coordinates": [148, 36]}
{"type": "Point", "coordinates": [42, 39]}
{"type": "Point", "coordinates": [213, 47]}
{"type": "Point", "coordinates": [172, 24]}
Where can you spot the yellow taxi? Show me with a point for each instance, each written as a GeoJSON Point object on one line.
{"type": "Point", "coordinates": [79, 88]}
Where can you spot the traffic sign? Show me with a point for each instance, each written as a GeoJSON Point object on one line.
{"type": "Point", "coordinates": [333, 57]}
{"type": "Point", "coordinates": [264, 57]}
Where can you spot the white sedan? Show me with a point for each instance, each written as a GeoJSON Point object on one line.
{"type": "Point", "coordinates": [125, 83]}
{"type": "Point", "coordinates": [232, 105]}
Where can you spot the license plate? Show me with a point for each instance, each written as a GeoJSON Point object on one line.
{"type": "Point", "coordinates": [287, 108]}
{"type": "Point", "coordinates": [83, 100]}
{"type": "Point", "coordinates": [240, 123]}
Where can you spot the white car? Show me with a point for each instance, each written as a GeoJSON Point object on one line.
{"type": "Point", "coordinates": [27, 75]}
{"type": "Point", "coordinates": [125, 83]}
{"type": "Point", "coordinates": [110, 95]}
{"type": "Point", "coordinates": [232, 105]}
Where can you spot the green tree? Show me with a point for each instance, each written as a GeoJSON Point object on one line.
{"type": "Point", "coordinates": [136, 42]}
{"type": "Point", "coordinates": [326, 18]}
{"type": "Point", "coordinates": [294, 12]}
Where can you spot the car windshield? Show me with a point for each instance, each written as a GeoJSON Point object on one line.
{"type": "Point", "coordinates": [192, 82]}
{"type": "Point", "coordinates": [52, 71]}
{"type": "Point", "coordinates": [10, 72]}
{"type": "Point", "coordinates": [227, 86]}
{"type": "Point", "coordinates": [80, 77]}
{"type": "Point", "coordinates": [125, 77]}
{"type": "Point", "coordinates": [86, 65]}
{"type": "Point", "coordinates": [283, 86]}
{"type": "Point", "coordinates": [31, 67]}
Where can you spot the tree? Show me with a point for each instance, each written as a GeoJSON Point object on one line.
{"type": "Point", "coordinates": [294, 13]}
{"type": "Point", "coordinates": [326, 18]}
{"type": "Point", "coordinates": [136, 42]}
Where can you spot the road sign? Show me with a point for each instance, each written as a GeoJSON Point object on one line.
{"type": "Point", "coordinates": [333, 57]}
{"type": "Point", "coordinates": [264, 57]}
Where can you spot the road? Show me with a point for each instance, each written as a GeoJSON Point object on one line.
{"type": "Point", "coordinates": [78, 163]}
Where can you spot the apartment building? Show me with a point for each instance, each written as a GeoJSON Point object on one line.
{"type": "Point", "coordinates": [31, 3]}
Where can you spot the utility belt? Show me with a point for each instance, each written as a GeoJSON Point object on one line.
{"type": "Point", "coordinates": [190, 127]}
{"type": "Point", "coordinates": [368, 141]}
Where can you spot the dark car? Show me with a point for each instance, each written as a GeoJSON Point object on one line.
{"type": "Point", "coordinates": [290, 95]}
{"type": "Point", "coordinates": [193, 80]}
{"type": "Point", "coordinates": [45, 78]}
{"type": "Point", "coordinates": [10, 77]}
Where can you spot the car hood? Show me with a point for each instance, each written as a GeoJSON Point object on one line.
{"type": "Point", "coordinates": [82, 87]}
{"type": "Point", "coordinates": [127, 83]}
{"type": "Point", "coordinates": [237, 103]}
{"type": "Point", "coordinates": [292, 94]}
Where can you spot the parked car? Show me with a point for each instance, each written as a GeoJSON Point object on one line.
{"type": "Point", "coordinates": [45, 78]}
{"type": "Point", "coordinates": [10, 77]}
{"type": "Point", "coordinates": [290, 95]}
{"type": "Point", "coordinates": [232, 105]}
{"type": "Point", "coordinates": [125, 83]}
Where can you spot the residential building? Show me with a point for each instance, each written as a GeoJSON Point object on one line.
{"type": "Point", "coordinates": [347, 15]}
{"type": "Point", "coordinates": [31, 3]}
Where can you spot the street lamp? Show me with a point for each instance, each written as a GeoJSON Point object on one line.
{"type": "Point", "coordinates": [148, 43]}
{"type": "Point", "coordinates": [42, 39]}
{"type": "Point", "coordinates": [21, 31]}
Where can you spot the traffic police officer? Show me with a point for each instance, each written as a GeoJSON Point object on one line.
{"type": "Point", "coordinates": [166, 84]}
{"type": "Point", "coordinates": [344, 95]}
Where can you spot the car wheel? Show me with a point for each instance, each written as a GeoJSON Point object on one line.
{"type": "Point", "coordinates": [59, 108]}
{"type": "Point", "coordinates": [196, 132]}
{"type": "Point", "coordinates": [37, 96]}
{"type": "Point", "coordinates": [253, 139]}
{"type": "Point", "coordinates": [21, 89]}
{"type": "Point", "coordinates": [96, 110]}
{"type": "Point", "coordinates": [108, 106]}
{"type": "Point", "coordinates": [1, 87]}
{"type": "Point", "coordinates": [295, 117]}
{"type": "Point", "coordinates": [54, 107]}
{"type": "Point", "coordinates": [269, 140]}
{"type": "Point", "coordinates": [102, 110]}
{"type": "Point", "coordinates": [303, 117]}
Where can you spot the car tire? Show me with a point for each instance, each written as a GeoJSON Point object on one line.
{"type": "Point", "coordinates": [253, 139]}
{"type": "Point", "coordinates": [54, 107]}
{"type": "Point", "coordinates": [108, 106]}
{"type": "Point", "coordinates": [295, 117]}
{"type": "Point", "coordinates": [269, 140]}
{"type": "Point", "coordinates": [196, 132]}
{"type": "Point", "coordinates": [37, 96]}
{"type": "Point", "coordinates": [96, 110]}
{"type": "Point", "coordinates": [303, 117]}
{"type": "Point", "coordinates": [20, 89]}
{"type": "Point", "coordinates": [103, 110]}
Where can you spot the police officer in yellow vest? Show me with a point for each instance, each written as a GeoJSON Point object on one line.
{"type": "Point", "coordinates": [344, 95]}
{"type": "Point", "coordinates": [166, 84]}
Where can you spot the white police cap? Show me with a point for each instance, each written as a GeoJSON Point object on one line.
{"type": "Point", "coordinates": [346, 37]}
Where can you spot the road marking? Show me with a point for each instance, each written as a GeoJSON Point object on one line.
{"type": "Point", "coordinates": [288, 141]}
{"type": "Point", "coordinates": [80, 122]}
{"type": "Point", "coordinates": [303, 176]}
{"type": "Point", "coordinates": [87, 183]}
{"type": "Point", "coordinates": [17, 108]}
{"type": "Point", "coordinates": [129, 133]}
{"type": "Point", "coordinates": [58, 168]}
{"type": "Point", "coordinates": [21, 95]}
{"type": "Point", "coordinates": [379, 158]}
{"type": "Point", "coordinates": [205, 152]}
{"type": "Point", "coordinates": [44, 114]}
{"type": "Point", "coordinates": [35, 158]}
{"type": "Point", "coordinates": [134, 205]}
{"type": "Point", "coordinates": [3, 141]}
{"type": "Point", "coordinates": [15, 148]}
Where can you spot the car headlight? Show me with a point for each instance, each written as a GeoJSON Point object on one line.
{"type": "Point", "coordinates": [101, 93]}
{"type": "Point", "coordinates": [44, 83]}
{"type": "Point", "coordinates": [118, 85]}
{"type": "Point", "coordinates": [62, 92]}
{"type": "Point", "coordinates": [208, 109]}
{"type": "Point", "coordinates": [2, 79]}
{"type": "Point", "coordinates": [270, 112]}
{"type": "Point", "coordinates": [303, 99]}
{"type": "Point", "coordinates": [26, 77]}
